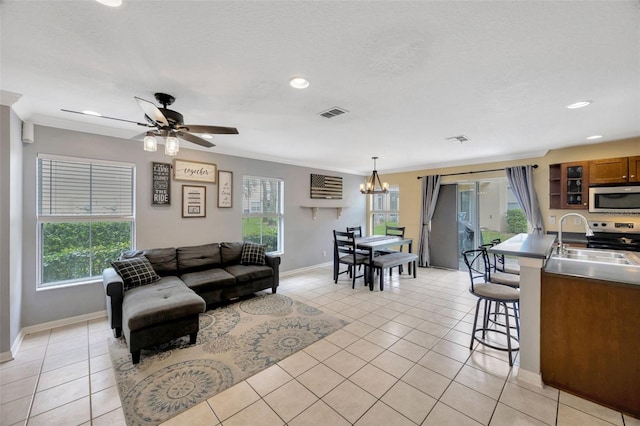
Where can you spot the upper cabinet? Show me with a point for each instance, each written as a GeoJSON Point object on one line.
{"type": "Point", "coordinates": [569, 185]}
{"type": "Point", "coordinates": [614, 170]}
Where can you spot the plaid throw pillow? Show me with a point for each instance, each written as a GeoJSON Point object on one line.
{"type": "Point", "coordinates": [135, 272]}
{"type": "Point", "coordinates": [252, 254]}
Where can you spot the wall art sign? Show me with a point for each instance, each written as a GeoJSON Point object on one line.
{"type": "Point", "coordinates": [326, 187]}
{"type": "Point", "coordinates": [161, 184]}
{"type": "Point", "coordinates": [225, 188]}
{"type": "Point", "coordinates": [194, 201]}
{"type": "Point", "coordinates": [194, 171]}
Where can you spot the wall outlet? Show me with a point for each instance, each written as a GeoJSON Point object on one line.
{"type": "Point", "coordinates": [552, 220]}
{"type": "Point", "coordinates": [324, 253]}
{"type": "Point", "coordinates": [577, 221]}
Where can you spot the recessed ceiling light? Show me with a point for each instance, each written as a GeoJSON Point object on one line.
{"type": "Point", "coordinates": [207, 136]}
{"type": "Point", "coordinates": [592, 137]}
{"type": "Point", "coordinates": [299, 83]}
{"type": "Point", "coordinates": [111, 3]}
{"type": "Point", "coordinates": [97, 114]}
{"type": "Point", "coordinates": [580, 104]}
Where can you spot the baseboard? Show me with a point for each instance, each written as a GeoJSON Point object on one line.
{"type": "Point", "coordinates": [305, 269]}
{"type": "Point", "coordinates": [53, 324]}
{"type": "Point", "coordinates": [6, 356]}
{"type": "Point", "coordinates": [530, 377]}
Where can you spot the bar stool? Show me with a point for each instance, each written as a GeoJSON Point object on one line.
{"type": "Point", "coordinates": [488, 294]}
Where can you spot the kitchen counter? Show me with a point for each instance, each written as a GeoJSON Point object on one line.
{"type": "Point", "coordinates": [628, 274]}
{"type": "Point", "coordinates": [526, 245]}
{"type": "Point", "coordinates": [532, 251]}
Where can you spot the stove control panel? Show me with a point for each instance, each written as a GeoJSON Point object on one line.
{"type": "Point", "coordinates": [620, 227]}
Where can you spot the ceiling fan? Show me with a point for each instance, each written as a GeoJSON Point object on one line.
{"type": "Point", "coordinates": [168, 123]}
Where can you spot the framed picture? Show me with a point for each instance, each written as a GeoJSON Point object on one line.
{"type": "Point", "coordinates": [194, 201]}
{"type": "Point", "coordinates": [161, 184]}
{"type": "Point", "coordinates": [225, 189]}
{"type": "Point", "coordinates": [194, 171]}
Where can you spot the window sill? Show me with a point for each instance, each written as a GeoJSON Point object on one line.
{"type": "Point", "coordinates": [67, 285]}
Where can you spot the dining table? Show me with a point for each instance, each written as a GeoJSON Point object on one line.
{"type": "Point", "coordinates": [374, 243]}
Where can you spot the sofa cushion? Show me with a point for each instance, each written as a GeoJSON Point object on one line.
{"type": "Point", "coordinates": [135, 272]}
{"type": "Point", "coordinates": [252, 254]}
{"type": "Point", "coordinates": [231, 253]}
{"type": "Point", "coordinates": [245, 273]}
{"type": "Point", "coordinates": [203, 280]}
{"type": "Point", "coordinates": [163, 260]}
{"type": "Point", "coordinates": [167, 300]}
{"type": "Point", "coordinates": [198, 258]}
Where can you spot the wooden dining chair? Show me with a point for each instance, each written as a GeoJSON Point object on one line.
{"type": "Point", "coordinates": [344, 252]}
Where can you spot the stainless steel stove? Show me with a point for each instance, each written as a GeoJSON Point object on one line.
{"type": "Point", "coordinates": [617, 235]}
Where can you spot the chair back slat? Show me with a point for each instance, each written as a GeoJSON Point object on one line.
{"type": "Point", "coordinates": [396, 231]}
{"type": "Point", "coordinates": [344, 242]}
{"type": "Point", "coordinates": [357, 231]}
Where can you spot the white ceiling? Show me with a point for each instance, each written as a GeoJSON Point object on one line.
{"type": "Point", "coordinates": [410, 74]}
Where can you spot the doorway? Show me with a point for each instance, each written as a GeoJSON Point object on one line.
{"type": "Point", "coordinates": [472, 213]}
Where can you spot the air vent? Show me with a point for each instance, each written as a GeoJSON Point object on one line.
{"type": "Point", "coordinates": [333, 112]}
{"type": "Point", "coordinates": [458, 139]}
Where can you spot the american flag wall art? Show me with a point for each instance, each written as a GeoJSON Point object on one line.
{"type": "Point", "coordinates": [326, 187]}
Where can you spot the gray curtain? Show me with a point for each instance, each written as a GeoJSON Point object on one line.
{"type": "Point", "coordinates": [521, 181]}
{"type": "Point", "coordinates": [430, 189]}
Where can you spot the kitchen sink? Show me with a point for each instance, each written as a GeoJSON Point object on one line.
{"type": "Point", "coordinates": [598, 256]}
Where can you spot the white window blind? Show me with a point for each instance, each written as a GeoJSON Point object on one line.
{"type": "Point", "coordinates": [72, 188]}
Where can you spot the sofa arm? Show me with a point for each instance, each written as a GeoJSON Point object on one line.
{"type": "Point", "coordinates": [274, 262]}
{"type": "Point", "coordinates": [114, 293]}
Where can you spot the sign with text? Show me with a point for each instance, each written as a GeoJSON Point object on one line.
{"type": "Point", "coordinates": [194, 171]}
{"type": "Point", "coordinates": [161, 184]}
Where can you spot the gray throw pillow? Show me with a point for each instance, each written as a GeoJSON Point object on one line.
{"type": "Point", "coordinates": [135, 272]}
{"type": "Point", "coordinates": [252, 254]}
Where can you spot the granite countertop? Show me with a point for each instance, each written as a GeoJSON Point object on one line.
{"type": "Point", "coordinates": [526, 245]}
{"type": "Point", "coordinates": [627, 274]}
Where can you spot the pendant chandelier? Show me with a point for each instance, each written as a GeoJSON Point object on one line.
{"type": "Point", "coordinates": [373, 185]}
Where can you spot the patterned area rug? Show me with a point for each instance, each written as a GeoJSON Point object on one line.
{"type": "Point", "coordinates": [234, 342]}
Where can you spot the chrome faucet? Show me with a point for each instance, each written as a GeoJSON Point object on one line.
{"type": "Point", "coordinates": [588, 231]}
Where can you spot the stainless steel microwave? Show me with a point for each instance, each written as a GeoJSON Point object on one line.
{"type": "Point", "coordinates": [614, 199]}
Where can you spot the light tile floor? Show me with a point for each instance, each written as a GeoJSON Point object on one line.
{"type": "Point", "coordinates": [402, 360]}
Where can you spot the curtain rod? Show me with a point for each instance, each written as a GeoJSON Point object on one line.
{"type": "Point", "coordinates": [535, 166]}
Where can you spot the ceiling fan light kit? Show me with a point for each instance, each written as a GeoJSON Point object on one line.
{"type": "Point", "coordinates": [373, 185]}
{"type": "Point", "coordinates": [171, 146]}
{"type": "Point", "coordinates": [150, 142]}
{"type": "Point", "coordinates": [168, 123]}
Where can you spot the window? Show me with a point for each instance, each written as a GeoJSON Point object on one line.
{"type": "Point", "coordinates": [85, 217]}
{"type": "Point", "coordinates": [385, 210]}
{"type": "Point", "coordinates": [262, 212]}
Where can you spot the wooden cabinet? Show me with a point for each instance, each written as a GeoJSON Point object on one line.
{"type": "Point", "coordinates": [634, 168]}
{"type": "Point", "coordinates": [614, 170]}
{"type": "Point", "coordinates": [590, 339]}
{"type": "Point", "coordinates": [569, 185]}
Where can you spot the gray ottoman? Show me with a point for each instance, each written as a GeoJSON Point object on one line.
{"type": "Point", "coordinates": [159, 312]}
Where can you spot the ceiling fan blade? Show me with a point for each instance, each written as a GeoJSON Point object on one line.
{"type": "Point", "coordinates": [140, 136]}
{"type": "Point", "coordinates": [108, 118]}
{"type": "Point", "coordinates": [194, 139]}
{"type": "Point", "coordinates": [214, 130]}
{"type": "Point", "coordinates": [152, 111]}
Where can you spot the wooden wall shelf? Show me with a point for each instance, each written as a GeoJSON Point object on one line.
{"type": "Point", "coordinates": [314, 210]}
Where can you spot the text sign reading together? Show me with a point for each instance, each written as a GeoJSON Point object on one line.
{"type": "Point", "coordinates": [194, 171]}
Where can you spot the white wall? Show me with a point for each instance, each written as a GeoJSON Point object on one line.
{"type": "Point", "coordinates": [162, 226]}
